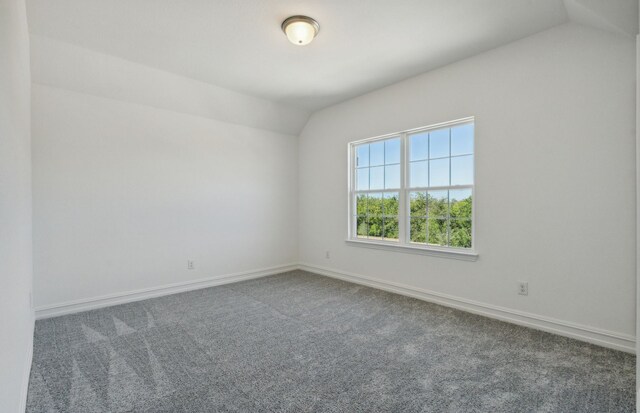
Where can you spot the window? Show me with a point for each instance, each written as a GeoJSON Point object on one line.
{"type": "Point", "coordinates": [414, 188]}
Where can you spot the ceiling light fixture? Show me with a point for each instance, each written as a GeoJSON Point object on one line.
{"type": "Point", "coordinates": [300, 30]}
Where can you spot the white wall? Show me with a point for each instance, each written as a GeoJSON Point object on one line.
{"type": "Point", "coordinates": [67, 66]}
{"type": "Point", "coordinates": [125, 193]}
{"type": "Point", "coordinates": [16, 319]}
{"type": "Point", "coordinates": [555, 183]}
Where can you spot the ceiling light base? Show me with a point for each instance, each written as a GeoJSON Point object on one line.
{"type": "Point", "coordinates": [300, 30]}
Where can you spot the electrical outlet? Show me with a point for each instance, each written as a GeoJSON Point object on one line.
{"type": "Point", "coordinates": [523, 288]}
{"type": "Point", "coordinates": [190, 265]}
{"type": "Point", "coordinates": [327, 255]}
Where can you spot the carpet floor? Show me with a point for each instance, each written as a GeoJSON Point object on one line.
{"type": "Point", "coordinates": [298, 342]}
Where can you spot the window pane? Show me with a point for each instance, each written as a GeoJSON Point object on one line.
{"type": "Point", "coordinates": [439, 172]}
{"type": "Point", "coordinates": [436, 161]}
{"type": "Point", "coordinates": [362, 155]}
{"type": "Point", "coordinates": [418, 204]}
{"type": "Point", "coordinates": [392, 151]}
{"type": "Point", "coordinates": [374, 205]}
{"type": "Point", "coordinates": [392, 176]}
{"type": "Point", "coordinates": [418, 174]}
{"type": "Point", "coordinates": [419, 146]}
{"type": "Point", "coordinates": [418, 230]}
{"type": "Point", "coordinates": [376, 154]}
{"type": "Point", "coordinates": [439, 143]}
{"type": "Point", "coordinates": [376, 177]}
{"type": "Point", "coordinates": [362, 179]}
{"type": "Point", "coordinates": [437, 231]}
{"type": "Point", "coordinates": [462, 170]}
{"type": "Point", "coordinates": [390, 228]}
{"type": "Point", "coordinates": [460, 235]}
{"type": "Point", "coordinates": [460, 204]}
{"type": "Point", "coordinates": [361, 204]}
{"type": "Point", "coordinates": [438, 204]}
{"type": "Point", "coordinates": [391, 204]}
{"type": "Point", "coordinates": [361, 222]}
{"type": "Point", "coordinates": [462, 139]}
{"type": "Point", "coordinates": [375, 227]}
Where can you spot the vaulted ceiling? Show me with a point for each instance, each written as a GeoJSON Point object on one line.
{"type": "Point", "coordinates": [363, 44]}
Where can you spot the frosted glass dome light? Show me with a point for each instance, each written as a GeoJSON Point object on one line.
{"type": "Point", "coordinates": [300, 30]}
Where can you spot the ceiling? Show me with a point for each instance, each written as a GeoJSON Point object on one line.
{"type": "Point", "coordinates": [362, 45]}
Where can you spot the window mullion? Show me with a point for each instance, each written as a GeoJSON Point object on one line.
{"type": "Point", "coordinates": [449, 197]}
{"type": "Point", "coordinates": [402, 202]}
{"type": "Point", "coordinates": [353, 211]}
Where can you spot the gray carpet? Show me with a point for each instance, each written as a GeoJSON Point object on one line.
{"type": "Point", "coordinates": [299, 342]}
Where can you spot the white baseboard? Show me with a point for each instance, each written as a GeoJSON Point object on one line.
{"type": "Point", "coordinates": [592, 335]}
{"type": "Point", "coordinates": [618, 341]}
{"type": "Point", "coordinates": [24, 391]}
{"type": "Point", "coordinates": [77, 306]}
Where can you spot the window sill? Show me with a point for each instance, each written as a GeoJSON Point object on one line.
{"type": "Point", "coordinates": [410, 249]}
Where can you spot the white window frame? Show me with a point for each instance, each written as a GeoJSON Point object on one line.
{"type": "Point", "coordinates": [404, 244]}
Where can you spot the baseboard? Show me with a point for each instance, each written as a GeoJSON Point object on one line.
{"type": "Point", "coordinates": [592, 335]}
{"type": "Point", "coordinates": [77, 306]}
{"type": "Point", "coordinates": [24, 391]}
